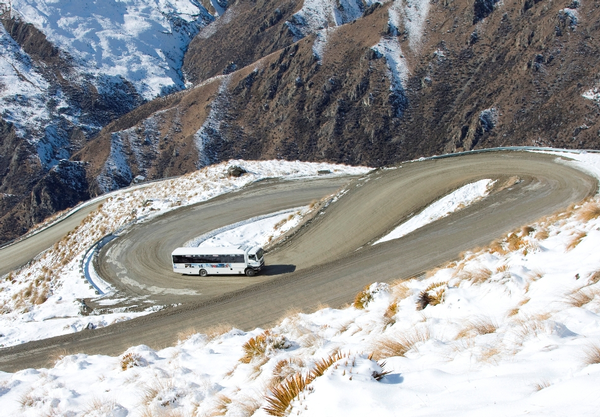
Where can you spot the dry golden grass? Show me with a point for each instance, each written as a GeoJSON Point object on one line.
{"type": "Point", "coordinates": [477, 276]}
{"type": "Point", "coordinates": [432, 295]}
{"type": "Point", "coordinates": [247, 406]}
{"type": "Point", "coordinates": [98, 406]}
{"type": "Point", "coordinates": [28, 400]}
{"type": "Point", "coordinates": [513, 312]}
{"type": "Point", "coordinates": [218, 330]}
{"type": "Point", "coordinates": [527, 230]}
{"type": "Point", "coordinates": [589, 211]}
{"type": "Point", "coordinates": [58, 355]}
{"type": "Point", "coordinates": [542, 234]}
{"type": "Point", "coordinates": [575, 240]}
{"type": "Point", "coordinates": [282, 395]}
{"type": "Point", "coordinates": [594, 278]}
{"type": "Point", "coordinates": [286, 368]}
{"type": "Point", "coordinates": [476, 327]}
{"type": "Point", "coordinates": [503, 268]}
{"type": "Point", "coordinates": [535, 274]}
{"type": "Point", "coordinates": [258, 346]}
{"type": "Point", "coordinates": [592, 354]}
{"type": "Point", "coordinates": [221, 405]}
{"type": "Point", "coordinates": [324, 364]}
{"type": "Point", "coordinates": [363, 298]}
{"type": "Point", "coordinates": [130, 360]}
{"type": "Point", "coordinates": [255, 347]}
{"type": "Point", "coordinates": [186, 334]}
{"type": "Point", "coordinates": [538, 386]}
{"type": "Point", "coordinates": [387, 347]}
{"type": "Point", "coordinates": [582, 296]}
{"type": "Point", "coordinates": [311, 340]}
{"type": "Point", "coordinates": [514, 242]}
{"type": "Point", "coordinates": [491, 354]}
{"type": "Point", "coordinates": [389, 314]}
{"type": "Point", "coordinates": [530, 326]}
{"type": "Point", "coordinates": [497, 247]}
{"type": "Point", "coordinates": [401, 288]}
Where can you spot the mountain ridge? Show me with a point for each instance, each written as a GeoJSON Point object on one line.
{"type": "Point", "coordinates": [368, 84]}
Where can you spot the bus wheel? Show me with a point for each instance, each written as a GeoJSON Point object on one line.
{"type": "Point", "coordinates": [203, 273]}
{"type": "Point", "coordinates": [250, 272]}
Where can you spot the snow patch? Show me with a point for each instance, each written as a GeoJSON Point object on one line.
{"type": "Point", "coordinates": [413, 15]}
{"type": "Point", "coordinates": [389, 47]}
{"type": "Point", "coordinates": [210, 131]}
{"type": "Point", "coordinates": [116, 172]}
{"type": "Point", "coordinates": [142, 41]}
{"type": "Point", "coordinates": [316, 15]}
{"type": "Point", "coordinates": [463, 197]}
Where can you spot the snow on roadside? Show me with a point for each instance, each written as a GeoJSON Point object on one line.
{"type": "Point", "coordinates": [42, 299]}
{"type": "Point", "coordinates": [461, 198]}
{"type": "Point", "coordinates": [585, 161]}
{"type": "Point", "coordinates": [507, 330]}
{"type": "Point", "coordinates": [258, 231]}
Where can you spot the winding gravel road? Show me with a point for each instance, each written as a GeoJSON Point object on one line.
{"type": "Point", "coordinates": [326, 262]}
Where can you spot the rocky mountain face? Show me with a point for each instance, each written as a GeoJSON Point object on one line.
{"type": "Point", "coordinates": [351, 81]}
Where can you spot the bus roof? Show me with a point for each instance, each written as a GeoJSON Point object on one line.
{"type": "Point", "coordinates": [228, 250]}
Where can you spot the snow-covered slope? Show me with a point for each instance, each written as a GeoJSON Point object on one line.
{"type": "Point", "coordinates": [142, 41]}
{"type": "Point", "coordinates": [510, 329]}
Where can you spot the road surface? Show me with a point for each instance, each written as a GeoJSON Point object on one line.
{"type": "Point", "coordinates": [325, 263]}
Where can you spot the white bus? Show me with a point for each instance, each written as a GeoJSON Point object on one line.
{"type": "Point", "coordinates": [232, 260]}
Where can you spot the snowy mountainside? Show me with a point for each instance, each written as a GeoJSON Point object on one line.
{"type": "Point", "coordinates": [364, 83]}
{"type": "Point", "coordinates": [67, 69]}
{"type": "Point", "coordinates": [142, 41]}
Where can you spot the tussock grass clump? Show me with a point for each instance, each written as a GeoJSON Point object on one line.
{"type": "Point", "coordinates": [477, 327]}
{"type": "Point", "coordinates": [324, 364]}
{"type": "Point", "coordinates": [497, 247]}
{"type": "Point", "coordinates": [530, 326]}
{"type": "Point", "coordinates": [476, 276]}
{"type": "Point", "coordinates": [589, 211]}
{"type": "Point", "coordinates": [575, 240]}
{"type": "Point", "coordinates": [490, 354]}
{"type": "Point", "coordinates": [363, 298]}
{"type": "Point", "coordinates": [542, 234]}
{"type": "Point", "coordinates": [582, 296]}
{"type": "Point", "coordinates": [283, 394]}
{"type": "Point", "coordinates": [594, 278]}
{"type": "Point", "coordinates": [388, 347]}
{"type": "Point", "coordinates": [218, 330]}
{"type": "Point", "coordinates": [527, 230]}
{"type": "Point", "coordinates": [28, 400]}
{"type": "Point", "coordinates": [221, 405]}
{"type": "Point", "coordinates": [401, 288]}
{"type": "Point", "coordinates": [130, 360]}
{"type": "Point", "coordinates": [592, 354]}
{"type": "Point", "coordinates": [286, 368]}
{"type": "Point", "coordinates": [432, 295]}
{"type": "Point", "coordinates": [260, 345]}
{"type": "Point", "coordinates": [538, 386]}
{"type": "Point", "coordinates": [515, 242]}
{"type": "Point", "coordinates": [186, 334]}
{"type": "Point", "coordinates": [389, 314]}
